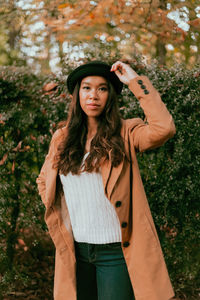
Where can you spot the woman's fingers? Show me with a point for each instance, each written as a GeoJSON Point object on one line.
{"type": "Point", "coordinates": [124, 72]}
{"type": "Point", "coordinates": [118, 65]}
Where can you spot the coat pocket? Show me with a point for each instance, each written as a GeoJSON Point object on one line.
{"type": "Point", "coordinates": [150, 230]}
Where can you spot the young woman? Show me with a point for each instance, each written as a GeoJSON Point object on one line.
{"type": "Point", "coordinates": [97, 213]}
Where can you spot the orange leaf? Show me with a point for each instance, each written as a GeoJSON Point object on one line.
{"type": "Point", "coordinates": [92, 16]}
{"type": "Point", "coordinates": [197, 74]}
{"type": "Point", "coordinates": [195, 22]}
{"type": "Point", "coordinates": [149, 19]}
{"type": "Point", "coordinates": [88, 37]}
{"type": "Point", "coordinates": [110, 38]}
{"type": "Point", "coordinates": [33, 137]}
{"type": "Point", "coordinates": [63, 95]}
{"type": "Point", "coordinates": [26, 148]}
{"type": "Point", "coordinates": [21, 242]}
{"type": "Point", "coordinates": [2, 161]}
{"type": "Point", "coordinates": [18, 147]}
{"type": "Point", "coordinates": [13, 166]}
{"type": "Point", "coordinates": [50, 86]}
{"type": "Point", "coordinates": [61, 6]}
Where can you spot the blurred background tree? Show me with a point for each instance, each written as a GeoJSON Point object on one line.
{"type": "Point", "coordinates": [53, 36]}
{"type": "Point", "coordinates": [43, 34]}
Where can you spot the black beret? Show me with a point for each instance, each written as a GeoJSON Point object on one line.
{"type": "Point", "coordinates": [93, 68]}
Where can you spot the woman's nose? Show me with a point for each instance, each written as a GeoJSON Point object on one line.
{"type": "Point", "coordinates": [93, 94]}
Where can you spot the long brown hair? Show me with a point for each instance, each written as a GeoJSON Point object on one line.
{"type": "Point", "coordinates": [71, 150]}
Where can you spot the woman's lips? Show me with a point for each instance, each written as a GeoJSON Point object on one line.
{"type": "Point", "coordinates": [93, 105]}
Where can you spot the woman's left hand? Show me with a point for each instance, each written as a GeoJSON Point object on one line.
{"type": "Point", "coordinates": [124, 72]}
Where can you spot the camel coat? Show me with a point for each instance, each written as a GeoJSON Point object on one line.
{"type": "Point", "coordinates": [123, 187]}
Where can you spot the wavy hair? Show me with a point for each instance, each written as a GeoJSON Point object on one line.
{"type": "Point", "coordinates": [107, 139]}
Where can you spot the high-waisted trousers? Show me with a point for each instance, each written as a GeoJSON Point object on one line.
{"type": "Point", "coordinates": [102, 273]}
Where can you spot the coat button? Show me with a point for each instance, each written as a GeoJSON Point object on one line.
{"type": "Point", "coordinates": [126, 244]}
{"type": "Point", "coordinates": [143, 86]}
{"type": "Point", "coordinates": [124, 224]}
{"type": "Point", "coordinates": [146, 92]}
{"type": "Point", "coordinates": [140, 81]}
{"type": "Point", "coordinates": [118, 203]}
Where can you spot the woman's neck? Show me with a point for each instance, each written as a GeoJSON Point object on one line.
{"type": "Point", "coordinates": [92, 127]}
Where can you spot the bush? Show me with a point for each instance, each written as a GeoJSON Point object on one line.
{"type": "Point", "coordinates": [30, 108]}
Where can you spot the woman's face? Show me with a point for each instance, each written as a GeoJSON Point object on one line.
{"type": "Point", "coordinates": [93, 95]}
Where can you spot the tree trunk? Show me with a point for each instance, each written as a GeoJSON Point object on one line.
{"type": "Point", "coordinates": [160, 51]}
{"type": "Point", "coordinates": [160, 45]}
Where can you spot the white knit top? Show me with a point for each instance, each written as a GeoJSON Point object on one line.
{"type": "Point", "coordinates": [93, 217]}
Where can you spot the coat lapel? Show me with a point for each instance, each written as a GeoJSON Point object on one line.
{"type": "Point", "coordinates": [114, 175]}
{"type": "Point", "coordinates": [110, 175]}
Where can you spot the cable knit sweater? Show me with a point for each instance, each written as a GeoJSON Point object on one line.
{"type": "Point", "coordinates": [93, 217]}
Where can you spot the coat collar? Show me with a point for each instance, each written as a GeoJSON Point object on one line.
{"type": "Point", "coordinates": [109, 173]}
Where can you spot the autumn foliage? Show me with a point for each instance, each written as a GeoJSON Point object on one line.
{"type": "Point", "coordinates": [43, 33]}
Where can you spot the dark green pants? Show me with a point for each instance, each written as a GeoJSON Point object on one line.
{"type": "Point", "coordinates": [102, 273]}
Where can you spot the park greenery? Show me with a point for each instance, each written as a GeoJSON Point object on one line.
{"type": "Point", "coordinates": [40, 43]}
{"type": "Point", "coordinates": [30, 108]}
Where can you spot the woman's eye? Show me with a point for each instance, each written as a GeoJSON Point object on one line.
{"type": "Point", "coordinates": [103, 89]}
{"type": "Point", "coordinates": [86, 87]}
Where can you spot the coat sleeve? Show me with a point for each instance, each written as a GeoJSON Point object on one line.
{"type": "Point", "coordinates": [41, 179]}
{"type": "Point", "coordinates": [159, 126]}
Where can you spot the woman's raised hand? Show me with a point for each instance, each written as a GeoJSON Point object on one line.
{"type": "Point", "coordinates": [124, 72]}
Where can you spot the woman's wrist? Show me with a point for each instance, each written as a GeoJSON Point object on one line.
{"type": "Point", "coordinates": [132, 77]}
